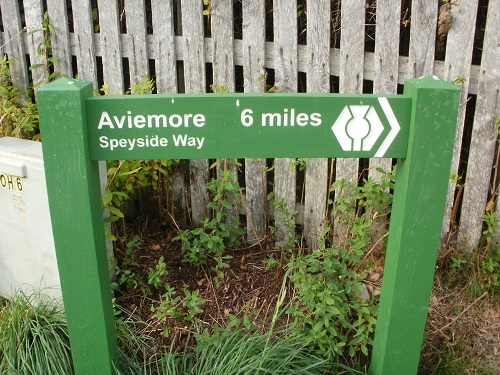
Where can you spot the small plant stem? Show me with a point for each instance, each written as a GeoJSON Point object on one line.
{"type": "Point", "coordinates": [251, 223]}
{"type": "Point", "coordinates": [173, 220]}
{"type": "Point", "coordinates": [371, 250]}
{"type": "Point", "coordinates": [116, 173]}
{"type": "Point", "coordinates": [276, 315]}
{"type": "Point", "coordinates": [462, 313]}
{"type": "Point", "coordinates": [185, 330]}
{"type": "Point", "coordinates": [259, 242]}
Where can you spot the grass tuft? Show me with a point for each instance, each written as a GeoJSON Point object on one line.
{"type": "Point", "coordinates": [34, 336]}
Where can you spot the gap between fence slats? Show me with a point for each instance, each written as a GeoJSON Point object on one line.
{"type": "Point", "coordinates": [483, 139]}
{"type": "Point", "coordinates": [457, 63]}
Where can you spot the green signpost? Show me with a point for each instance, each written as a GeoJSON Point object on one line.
{"type": "Point", "coordinates": [417, 127]}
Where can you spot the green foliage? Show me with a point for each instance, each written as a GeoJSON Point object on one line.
{"type": "Point", "coordinates": [209, 241]}
{"type": "Point", "coordinates": [246, 322]}
{"type": "Point", "coordinates": [169, 307]}
{"type": "Point", "coordinates": [459, 80]}
{"type": "Point", "coordinates": [490, 268]}
{"type": "Point", "coordinates": [271, 262]}
{"type": "Point", "coordinates": [144, 86]}
{"type": "Point", "coordinates": [193, 303]}
{"type": "Point", "coordinates": [356, 207]}
{"type": "Point", "coordinates": [44, 50]}
{"type": "Point", "coordinates": [491, 221]}
{"type": "Point", "coordinates": [300, 163]}
{"type": "Point", "coordinates": [457, 264]}
{"type": "Point", "coordinates": [34, 337]}
{"type": "Point", "coordinates": [218, 89]}
{"type": "Point", "coordinates": [127, 177]}
{"type": "Point", "coordinates": [18, 115]}
{"type": "Point", "coordinates": [490, 262]}
{"type": "Point", "coordinates": [330, 311]}
{"type": "Point", "coordinates": [207, 8]}
{"type": "Point", "coordinates": [127, 272]}
{"type": "Point", "coordinates": [285, 222]}
{"type": "Point", "coordinates": [155, 275]}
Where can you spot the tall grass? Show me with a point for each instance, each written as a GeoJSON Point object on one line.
{"type": "Point", "coordinates": [34, 340]}
{"type": "Point", "coordinates": [236, 353]}
{"type": "Point", "coordinates": [232, 352]}
{"type": "Point", "coordinates": [34, 337]}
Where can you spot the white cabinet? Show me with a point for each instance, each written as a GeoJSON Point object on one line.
{"type": "Point", "coordinates": [27, 254]}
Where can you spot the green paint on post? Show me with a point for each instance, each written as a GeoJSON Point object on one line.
{"type": "Point", "coordinates": [77, 222]}
{"type": "Point", "coordinates": [416, 222]}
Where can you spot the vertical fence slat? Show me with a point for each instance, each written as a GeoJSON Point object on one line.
{"type": "Point", "coordinates": [61, 47]}
{"type": "Point", "coordinates": [457, 64]}
{"type": "Point", "coordinates": [422, 37]}
{"type": "Point", "coordinates": [483, 139]}
{"type": "Point", "coordinates": [166, 82]}
{"type": "Point", "coordinates": [14, 43]}
{"type": "Point", "coordinates": [163, 36]}
{"type": "Point", "coordinates": [318, 80]}
{"type": "Point", "coordinates": [195, 78]}
{"type": "Point", "coordinates": [136, 31]}
{"type": "Point", "coordinates": [352, 53]}
{"type": "Point", "coordinates": [109, 24]}
{"type": "Point", "coordinates": [84, 39]}
{"type": "Point", "coordinates": [254, 16]}
{"type": "Point", "coordinates": [285, 62]}
{"type": "Point", "coordinates": [386, 60]}
{"type": "Point", "coordinates": [221, 17]}
{"type": "Point", "coordinates": [33, 15]}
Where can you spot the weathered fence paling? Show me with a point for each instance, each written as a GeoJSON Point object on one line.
{"type": "Point", "coordinates": [96, 47]}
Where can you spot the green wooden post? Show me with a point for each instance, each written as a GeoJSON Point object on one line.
{"type": "Point", "coordinates": [78, 228]}
{"type": "Point", "coordinates": [416, 221]}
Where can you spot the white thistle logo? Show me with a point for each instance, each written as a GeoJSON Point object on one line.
{"type": "Point", "coordinates": [358, 127]}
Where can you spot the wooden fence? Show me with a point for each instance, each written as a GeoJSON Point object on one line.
{"type": "Point", "coordinates": [257, 45]}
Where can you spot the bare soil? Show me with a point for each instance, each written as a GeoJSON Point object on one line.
{"type": "Point", "coordinates": [462, 333]}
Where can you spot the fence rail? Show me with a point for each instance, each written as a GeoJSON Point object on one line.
{"type": "Point", "coordinates": [321, 46]}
